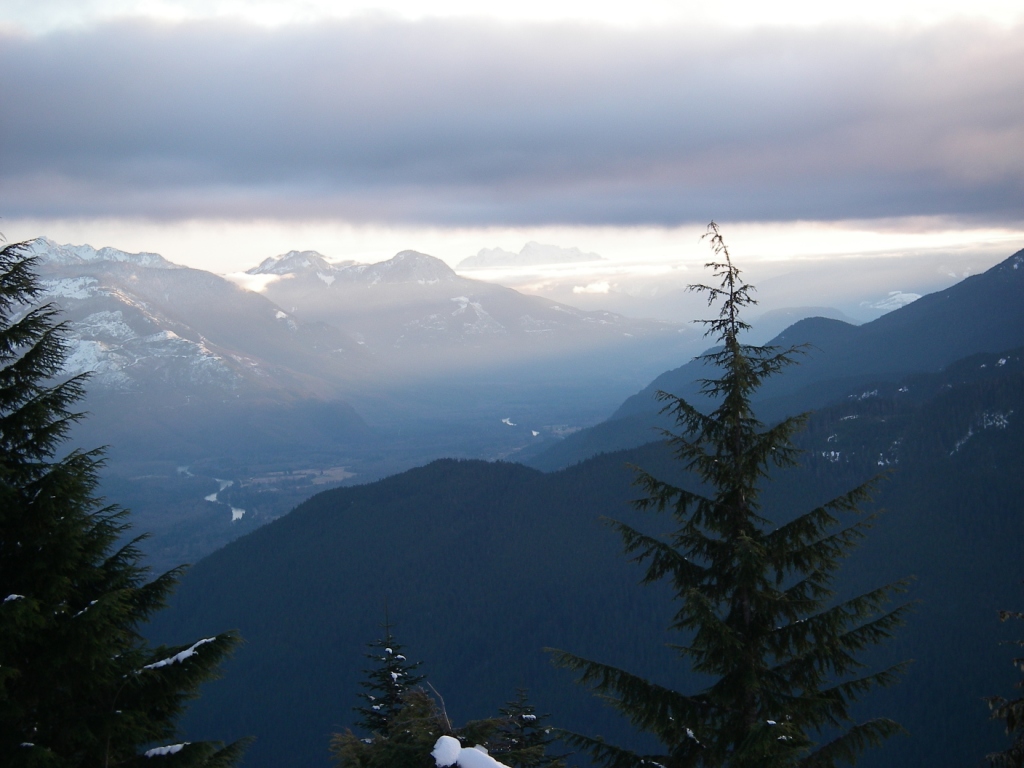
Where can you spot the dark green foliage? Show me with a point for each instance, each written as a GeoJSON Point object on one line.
{"type": "Point", "coordinates": [523, 737]}
{"type": "Point", "coordinates": [518, 737]}
{"type": "Point", "coordinates": [386, 683]}
{"type": "Point", "coordinates": [756, 598]}
{"type": "Point", "coordinates": [416, 726]}
{"type": "Point", "coordinates": [404, 722]}
{"type": "Point", "coordinates": [1011, 713]}
{"type": "Point", "coordinates": [79, 686]}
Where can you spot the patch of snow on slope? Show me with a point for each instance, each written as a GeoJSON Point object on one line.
{"type": "Point", "coordinates": [69, 288]}
{"type": "Point", "coordinates": [97, 358]}
{"type": "Point", "coordinates": [483, 323]}
{"type": "Point", "coordinates": [105, 346]}
{"type": "Point", "coordinates": [50, 252]}
{"type": "Point", "coordinates": [864, 395]}
{"type": "Point", "coordinates": [987, 420]}
{"type": "Point", "coordinates": [106, 324]}
{"type": "Point", "coordinates": [894, 300]}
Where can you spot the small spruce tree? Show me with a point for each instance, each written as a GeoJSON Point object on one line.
{"type": "Point", "coordinates": [79, 686]}
{"type": "Point", "coordinates": [523, 737]}
{"type": "Point", "coordinates": [414, 729]}
{"type": "Point", "coordinates": [386, 683]}
{"type": "Point", "coordinates": [755, 598]}
{"type": "Point", "coordinates": [516, 738]}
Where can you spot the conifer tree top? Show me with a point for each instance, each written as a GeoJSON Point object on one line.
{"type": "Point", "coordinates": [754, 597]}
{"type": "Point", "coordinates": [387, 681]}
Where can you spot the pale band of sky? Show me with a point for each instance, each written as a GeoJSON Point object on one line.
{"type": "Point", "coordinates": [230, 246]}
{"type": "Point", "coordinates": [38, 16]}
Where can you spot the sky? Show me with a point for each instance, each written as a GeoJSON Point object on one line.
{"type": "Point", "coordinates": [220, 132]}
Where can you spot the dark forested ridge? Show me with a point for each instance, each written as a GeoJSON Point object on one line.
{"type": "Point", "coordinates": [983, 313]}
{"type": "Point", "coordinates": [484, 564]}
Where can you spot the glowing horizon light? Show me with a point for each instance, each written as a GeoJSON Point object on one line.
{"type": "Point", "coordinates": [232, 247]}
{"type": "Point", "coordinates": [41, 16]}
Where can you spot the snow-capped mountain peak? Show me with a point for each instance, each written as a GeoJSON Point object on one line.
{"type": "Point", "coordinates": [403, 267]}
{"type": "Point", "coordinates": [410, 267]}
{"type": "Point", "coordinates": [54, 254]}
{"type": "Point", "coordinates": [296, 262]}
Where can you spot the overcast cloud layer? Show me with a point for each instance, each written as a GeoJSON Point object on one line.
{"type": "Point", "coordinates": [466, 123]}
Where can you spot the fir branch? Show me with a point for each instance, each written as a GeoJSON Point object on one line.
{"type": "Point", "coordinates": [849, 746]}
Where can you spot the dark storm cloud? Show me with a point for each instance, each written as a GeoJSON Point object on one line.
{"type": "Point", "coordinates": [468, 123]}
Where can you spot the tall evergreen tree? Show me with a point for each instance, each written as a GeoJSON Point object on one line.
{"type": "Point", "coordinates": [79, 686]}
{"type": "Point", "coordinates": [387, 681]}
{"type": "Point", "coordinates": [755, 601]}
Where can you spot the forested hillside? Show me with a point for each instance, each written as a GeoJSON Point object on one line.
{"type": "Point", "coordinates": [483, 565]}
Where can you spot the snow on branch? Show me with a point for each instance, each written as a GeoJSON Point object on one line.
{"type": "Point", "coordinates": [171, 749]}
{"type": "Point", "coordinates": [180, 656]}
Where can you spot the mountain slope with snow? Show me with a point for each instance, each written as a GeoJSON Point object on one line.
{"type": "Point", "coordinates": [416, 313]}
{"type": "Point", "coordinates": [142, 324]}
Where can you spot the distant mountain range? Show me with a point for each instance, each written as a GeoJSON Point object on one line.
{"type": "Point", "coordinates": [317, 329]}
{"type": "Point", "coordinates": [142, 324]}
{"type": "Point", "coordinates": [350, 372]}
{"type": "Point", "coordinates": [414, 313]}
{"type": "Point", "coordinates": [983, 313]}
{"type": "Point", "coordinates": [374, 368]}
